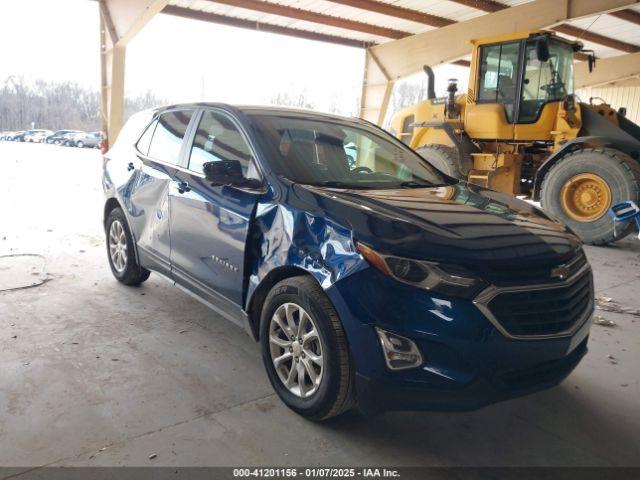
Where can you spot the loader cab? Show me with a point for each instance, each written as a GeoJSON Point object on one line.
{"type": "Point", "coordinates": [517, 85]}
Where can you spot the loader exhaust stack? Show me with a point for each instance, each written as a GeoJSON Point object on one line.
{"type": "Point", "coordinates": [431, 90]}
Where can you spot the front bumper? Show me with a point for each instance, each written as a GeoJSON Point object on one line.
{"type": "Point", "coordinates": [379, 395]}
{"type": "Point", "coordinates": [468, 362]}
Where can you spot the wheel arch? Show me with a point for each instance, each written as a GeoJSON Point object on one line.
{"type": "Point", "coordinates": [259, 295]}
{"type": "Point", "coordinates": [630, 148]}
{"type": "Point", "coordinates": [111, 204]}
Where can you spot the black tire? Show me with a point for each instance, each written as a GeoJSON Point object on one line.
{"type": "Point", "coordinates": [80, 144]}
{"type": "Point", "coordinates": [617, 169]}
{"type": "Point", "coordinates": [443, 158]}
{"type": "Point", "coordinates": [133, 273]}
{"type": "Point", "coordinates": [334, 395]}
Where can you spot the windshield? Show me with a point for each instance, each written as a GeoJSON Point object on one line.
{"type": "Point", "coordinates": [341, 154]}
{"type": "Point", "coordinates": [548, 81]}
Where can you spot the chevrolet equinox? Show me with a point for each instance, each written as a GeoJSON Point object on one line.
{"type": "Point", "coordinates": [368, 277]}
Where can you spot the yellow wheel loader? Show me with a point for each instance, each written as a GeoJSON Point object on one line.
{"type": "Point", "coordinates": [521, 130]}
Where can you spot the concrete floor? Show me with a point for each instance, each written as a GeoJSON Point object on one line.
{"type": "Point", "coordinates": [95, 373]}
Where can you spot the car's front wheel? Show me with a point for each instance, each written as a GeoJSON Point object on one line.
{"type": "Point", "coordinates": [80, 144]}
{"type": "Point", "coordinates": [305, 350]}
{"type": "Point", "coordinates": [120, 250]}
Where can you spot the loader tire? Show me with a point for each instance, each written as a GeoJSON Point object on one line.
{"type": "Point", "coordinates": [581, 187]}
{"type": "Point", "coordinates": [443, 158]}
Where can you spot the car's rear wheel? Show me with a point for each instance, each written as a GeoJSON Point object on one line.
{"type": "Point", "coordinates": [305, 351]}
{"type": "Point", "coordinates": [121, 250]}
{"type": "Point", "coordinates": [80, 144]}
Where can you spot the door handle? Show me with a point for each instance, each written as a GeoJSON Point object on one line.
{"type": "Point", "coordinates": [183, 187]}
{"type": "Point", "coordinates": [131, 166]}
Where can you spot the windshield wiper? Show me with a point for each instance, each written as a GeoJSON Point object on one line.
{"type": "Point", "coordinates": [414, 184]}
{"type": "Point", "coordinates": [338, 184]}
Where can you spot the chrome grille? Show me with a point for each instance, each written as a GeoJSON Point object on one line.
{"type": "Point", "coordinates": [539, 311]}
{"type": "Point", "coordinates": [504, 276]}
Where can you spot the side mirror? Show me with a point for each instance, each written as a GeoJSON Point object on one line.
{"type": "Point", "coordinates": [542, 49]}
{"type": "Point", "coordinates": [228, 172]}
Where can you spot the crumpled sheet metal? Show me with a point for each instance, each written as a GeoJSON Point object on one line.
{"type": "Point", "coordinates": [285, 236]}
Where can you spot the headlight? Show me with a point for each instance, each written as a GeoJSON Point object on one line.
{"type": "Point", "coordinates": [451, 280]}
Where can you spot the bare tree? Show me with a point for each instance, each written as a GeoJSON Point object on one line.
{"type": "Point", "coordinates": [61, 105]}
{"type": "Point", "coordinates": [406, 93]}
{"type": "Point", "coordinates": [292, 99]}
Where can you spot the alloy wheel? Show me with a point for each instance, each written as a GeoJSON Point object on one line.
{"type": "Point", "coordinates": [296, 349]}
{"type": "Point", "coordinates": [118, 246]}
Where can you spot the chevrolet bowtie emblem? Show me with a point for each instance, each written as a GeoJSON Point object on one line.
{"type": "Point", "coordinates": [561, 272]}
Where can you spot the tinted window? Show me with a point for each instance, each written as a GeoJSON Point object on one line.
{"type": "Point", "coordinates": [499, 75]}
{"type": "Point", "coordinates": [168, 135]}
{"type": "Point", "coordinates": [217, 138]}
{"type": "Point", "coordinates": [545, 81]}
{"type": "Point", "coordinates": [341, 154]}
{"type": "Point", "coordinates": [145, 139]}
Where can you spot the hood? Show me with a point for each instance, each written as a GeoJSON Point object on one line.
{"type": "Point", "coordinates": [460, 223]}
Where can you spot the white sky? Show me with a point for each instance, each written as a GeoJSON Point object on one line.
{"type": "Point", "coordinates": [181, 60]}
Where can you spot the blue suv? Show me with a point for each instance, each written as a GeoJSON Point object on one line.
{"type": "Point", "coordinates": [369, 277]}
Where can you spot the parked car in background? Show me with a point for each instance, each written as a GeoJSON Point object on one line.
{"type": "Point", "coordinates": [19, 136]}
{"type": "Point", "coordinates": [89, 140]}
{"type": "Point", "coordinates": [36, 136]}
{"type": "Point", "coordinates": [6, 135]}
{"type": "Point", "coordinates": [58, 137]}
{"type": "Point", "coordinates": [368, 276]}
{"type": "Point", "coordinates": [71, 139]}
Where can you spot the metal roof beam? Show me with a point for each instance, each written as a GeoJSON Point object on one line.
{"type": "Point", "coordinates": [108, 22]}
{"type": "Point", "coordinates": [262, 27]}
{"type": "Point", "coordinates": [570, 30]}
{"type": "Point", "coordinates": [493, 6]}
{"type": "Point", "coordinates": [127, 18]}
{"type": "Point", "coordinates": [395, 11]}
{"type": "Point", "coordinates": [314, 17]}
{"type": "Point", "coordinates": [484, 5]}
{"type": "Point", "coordinates": [628, 15]}
{"type": "Point", "coordinates": [407, 56]}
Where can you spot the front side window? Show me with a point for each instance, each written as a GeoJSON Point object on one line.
{"type": "Point", "coordinates": [340, 154]}
{"type": "Point", "coordinates": [167, 137]}
{"type": "Point", "coordinates": [545, 81]}
{"type": "Point", "coordinates": [499, 75]}
{"type": "Point", "coordinates": [217, 139]}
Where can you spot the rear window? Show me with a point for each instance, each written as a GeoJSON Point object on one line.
{"type": "Point", "coordinates": [131, 130]}
{"type": "Point", "coordinates": [145, 139]}
{"type": "Point", "coordinates": [167, 137]}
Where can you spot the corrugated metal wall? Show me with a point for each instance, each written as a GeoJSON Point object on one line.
{"type": "Point", "coordinates": [623, 96]}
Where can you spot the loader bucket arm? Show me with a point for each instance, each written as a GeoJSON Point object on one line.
{"type": "Point", "coordinates": [596, 132]}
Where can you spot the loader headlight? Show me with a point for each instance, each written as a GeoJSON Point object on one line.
{"type": "Point", "coordinates": [451, 280]}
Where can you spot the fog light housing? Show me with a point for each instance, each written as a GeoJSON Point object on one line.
{"type": "Point", "coordinates": [399, 352]}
